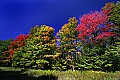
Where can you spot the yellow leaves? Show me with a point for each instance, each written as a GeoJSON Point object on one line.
{"type": "Point", "coordinates": [66, 39]}
{"type": "Point", "coordinates": [52, 45]}
{"type": "Point", "coordinates": [58, 54]}
{"type": "Point", "coordinates": [45, 28]}
{"type": "Point", "coordinates": [41, 43]}
{"type": "Point", "coordinates": [66, 31]}
{"type": "Point", "coordinates": [53, 41]}
{"type": "Point", "coordinates": [68, 28]}
{"type": "Point", "coordinates": [68, 59]}
{"type": "Point", "coordinates": [51, 56]}
{"type": "Point", "coordinates": [72, 39]}
{"type": "Point", "coordinates": [78, 53]}
{"type": "Point", "coordinates": [73, 20]}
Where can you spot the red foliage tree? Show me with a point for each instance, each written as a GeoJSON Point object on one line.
{"type": "Point", "coordinates": [19, 41]}
{"type": "Point", "coordinates": [16, 44]}
{"type": "Point", "coordinates": [94, 26]}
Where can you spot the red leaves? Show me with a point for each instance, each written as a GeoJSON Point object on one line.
{"type": "Point", "coordinates": [22, 37]}
{"type": "Point", "coordinates": [108, 7]}
{"type": "Point", "coordinates": [106, 28]}
{"type": "Point", "coordinates": [16, 44]}
{"type": "Point", "coordinates": [94, 26]}
{"type": "Point", "coordinates": [105, 34]}
{"type": "Point", "coordinates": [11, 52]}
{"type": "Point", "coordinates": [10, 57]}
{"type": "Point", "coordinates": [19, 41]}
{"type": "Point", "coordinates": [90, 22]}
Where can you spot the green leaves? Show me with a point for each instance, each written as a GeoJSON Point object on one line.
{"type": "Point", "coordinates": [115, 16]}
{"type": "Point", "coordinates": [40, 43]}
{"type": "Point", "coordinates": [3, 49]}
{"type": "Point", "coordinates": [94, 49]}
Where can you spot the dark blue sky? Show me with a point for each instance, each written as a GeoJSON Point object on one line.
{"type": "Point", "coordinates": [18, 16]}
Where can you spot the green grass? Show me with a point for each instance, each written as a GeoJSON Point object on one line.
{"type": "Point", "coordinates": [68, 75]}
{"type": "Point", "coordinates": [77, 75]}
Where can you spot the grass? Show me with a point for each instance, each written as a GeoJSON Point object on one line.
{"type": "Point", "coordinates": [78, 75]}
{"type": "Point", "coordinates": [64, 75]}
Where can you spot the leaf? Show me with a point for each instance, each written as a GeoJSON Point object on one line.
{"type": "Point", "coordinates": [108, 65]}
{"type": "Point", "coordinates": [27, 64]}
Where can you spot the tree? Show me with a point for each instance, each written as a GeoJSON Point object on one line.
{"type": "Point", "coordinates": [39, 48]}
{"type": "Point", "coordinates": [94, 26]}
{"type": "Point", "coordinates": [12, 47]}
{"type": "Point", "coordinates": [94, 33]}
{"type": "Point", "coordinates": [4, 47]}
{"type": "Point", "coordinates": [112, 57]}
{"type": "Point", "coordinates": [112, 54]}
{"type": "Point", "coordinates": [67, 38]}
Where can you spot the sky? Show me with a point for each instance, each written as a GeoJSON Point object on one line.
{"type": "Point", "coordinates": [19, 16]}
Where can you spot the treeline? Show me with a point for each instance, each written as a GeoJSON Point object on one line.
{"type": "Point", "coordinates": [94, 44]}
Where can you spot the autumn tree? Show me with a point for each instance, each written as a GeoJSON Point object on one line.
{"type": "Point", "coordinates": [67, 38]}
{"type": "Point", "coordinates": [39, 48]}
{"type": "Point", "coordinates": [12, 47]}
{"type": "Point", "coordinates": [94, 33]}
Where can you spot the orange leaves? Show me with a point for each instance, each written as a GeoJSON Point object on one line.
{"type": "Point", "coordinates": [65, 25]}
{"type": "Point", "coordinates": [38, 37]}
{"type": "Point", "coordinates": [41, 43]}
{"type": "Point", "coordinates": [46, 38]}
{"type": "Point", "coordinates": [50, 29]}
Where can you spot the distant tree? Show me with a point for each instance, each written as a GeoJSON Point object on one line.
{"type": "Point", "coordinates": [4, 47]}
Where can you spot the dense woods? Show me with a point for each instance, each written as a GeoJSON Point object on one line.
{"type": "Point", "coordinates": [93, 44]}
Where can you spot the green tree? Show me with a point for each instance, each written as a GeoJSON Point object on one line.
{"type": "Point", "coordinates": [4, 47]}
{"type": "Point", "coordinates": [112, 57]}
{"type": "Point", "coordinates": [112, 54]}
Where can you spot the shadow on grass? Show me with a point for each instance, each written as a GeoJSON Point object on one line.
{"type": "Point", "coordinates": [17, 75]}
